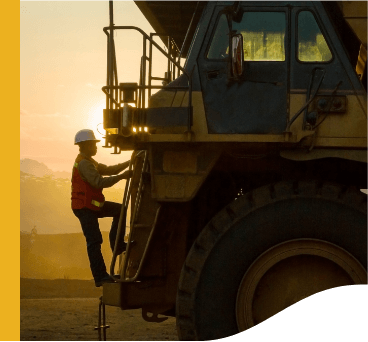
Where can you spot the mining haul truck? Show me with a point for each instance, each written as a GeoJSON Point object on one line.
{"type": "Point", "coordinates": [249, 160]}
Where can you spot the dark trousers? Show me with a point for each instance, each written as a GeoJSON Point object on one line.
{"type": "Point", "coordinates": [91, 230]}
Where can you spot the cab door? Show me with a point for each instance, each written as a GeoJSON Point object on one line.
{"type": "Point", "coordinates": [257, 103]}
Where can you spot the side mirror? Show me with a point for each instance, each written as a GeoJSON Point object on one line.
{"type": "Point", "coordinates": [237, 55]}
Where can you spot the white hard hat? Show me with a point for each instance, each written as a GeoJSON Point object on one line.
{"type": "Point", "coordinates": [84, 135]}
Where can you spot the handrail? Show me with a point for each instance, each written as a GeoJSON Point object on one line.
{"type": "Point", "coordinates": [172, 47]}
{"type": "Point", "coordinates": [146, 87]}
{"type": "Point", "coordinates": [104, 88]}
{"type": "Point", "coordinates": [124, 266]}
{"type": "Point", "coordinates": [149, 87]}
{"type": "Point", "coordinates": [139, 191]}
{"type": "Point", "coordinates": [122, 218]}
{"type": "Point", "coordinates": [310, 100]}
{"type": "Point", "coordinates": [152, 41]}
{"type": "Point", "coordinates": [129, 280]}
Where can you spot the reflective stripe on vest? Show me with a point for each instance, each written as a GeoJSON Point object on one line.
{"type": "Point", "coordinates": [76, 166]}
{"type": "Point", "coordinates": [97, 204]}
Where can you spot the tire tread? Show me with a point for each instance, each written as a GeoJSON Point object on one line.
{"type": "Point", "coordinates": [239, 208]}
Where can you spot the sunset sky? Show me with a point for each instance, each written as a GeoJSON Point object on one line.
{"type": "Point", "coordinates": [62, 70]}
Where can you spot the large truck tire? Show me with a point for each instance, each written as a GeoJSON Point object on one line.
{"type": "Point", "coordinates": [267, 250]}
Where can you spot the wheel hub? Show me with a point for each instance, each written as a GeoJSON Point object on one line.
{"type": "Point", "coordinates": [290, 272]}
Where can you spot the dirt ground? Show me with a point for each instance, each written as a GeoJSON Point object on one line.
{"type": "Point", "coordinates": [67, 310]}
{"type": "Point", "coordinates": [44, 317]}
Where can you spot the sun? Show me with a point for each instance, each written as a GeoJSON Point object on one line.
{"type": "Point", "coordinates": [95, 118]}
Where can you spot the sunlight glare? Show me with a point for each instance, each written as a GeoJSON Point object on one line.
{"type": "Point", "coordinates": [95, 118]}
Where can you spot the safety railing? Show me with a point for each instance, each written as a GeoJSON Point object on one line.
{"type": "Point", "coordinates": [111, 90]}
{"type": "Point", "coordinates": [172, 69]}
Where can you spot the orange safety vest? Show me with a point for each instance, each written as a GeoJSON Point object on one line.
{"type": "Point", "coordinates": [85, 195]}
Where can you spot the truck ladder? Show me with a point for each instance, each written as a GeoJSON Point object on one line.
{"type": "Point", "coordinates": [142, 225]}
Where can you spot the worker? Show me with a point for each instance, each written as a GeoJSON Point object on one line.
{"type": "Point", "coordinates": [88, 202]}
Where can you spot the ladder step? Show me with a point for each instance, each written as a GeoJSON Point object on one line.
{"type": "Point", "coordinates": [139, 225]}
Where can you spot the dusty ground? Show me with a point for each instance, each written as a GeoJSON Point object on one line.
{"type": "Point", "coordinates": [67, 310]}
{"type": "Point", "coordinates": [43, 317]}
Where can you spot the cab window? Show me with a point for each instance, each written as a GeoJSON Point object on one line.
{"type": "Point", "coordinates": [263, 37]}
{"type": "Point", "coordinates": [312, 45]}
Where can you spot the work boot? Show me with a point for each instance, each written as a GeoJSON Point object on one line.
{"type": "Point", "coordinates": [104, 280]}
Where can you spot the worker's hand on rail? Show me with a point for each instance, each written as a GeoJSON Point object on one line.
{"type": "Point", "coordinates": [127, 174]}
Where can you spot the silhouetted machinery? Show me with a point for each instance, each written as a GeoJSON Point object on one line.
{"type": "Point", "coordinates": [247, 196]}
